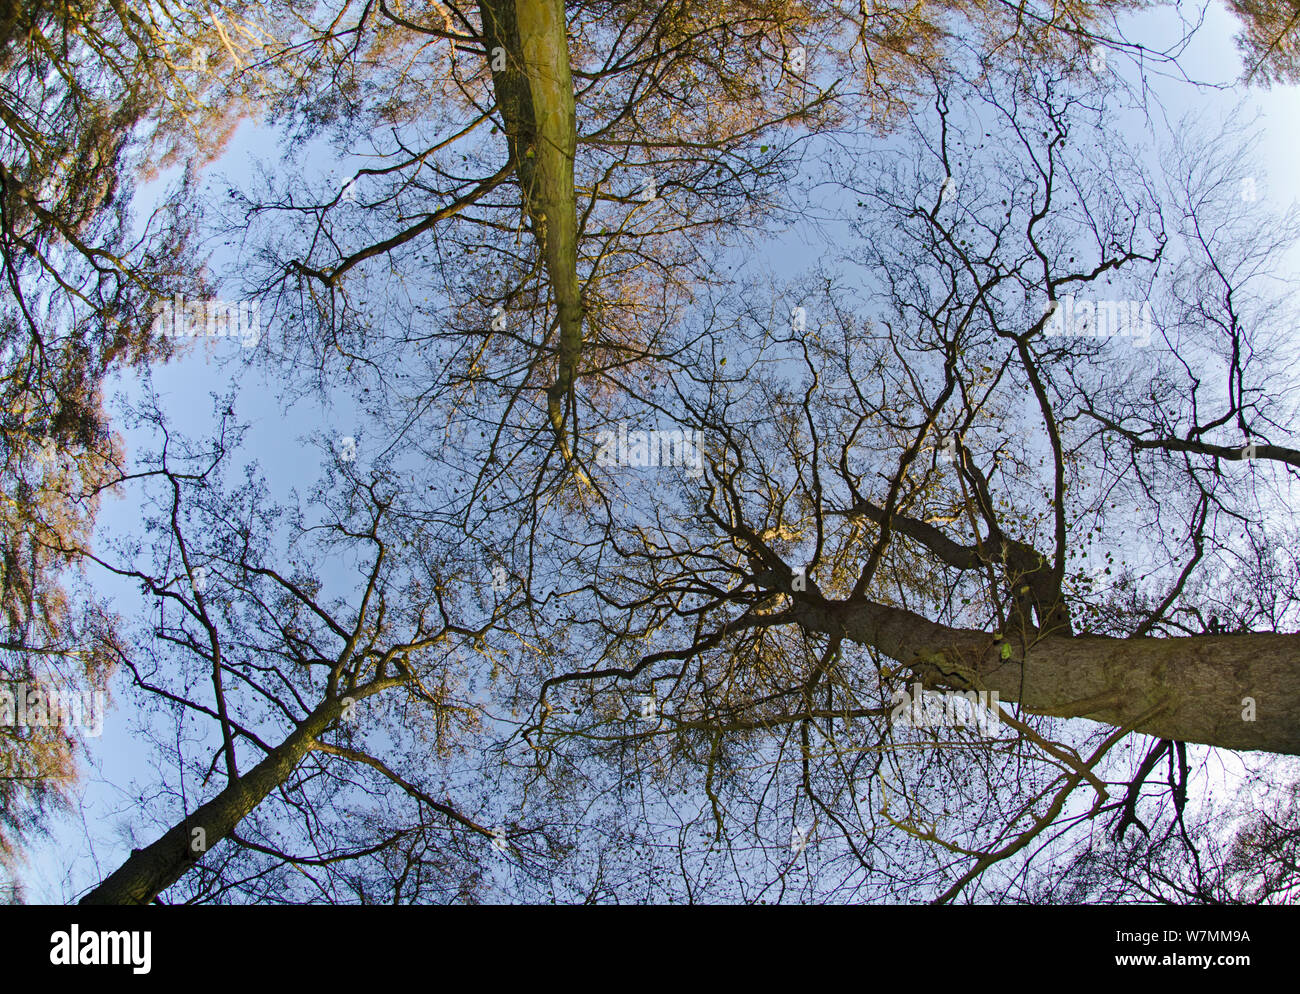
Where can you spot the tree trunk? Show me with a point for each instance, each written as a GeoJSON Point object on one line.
{"type": "Point", "coordinates": [534, 92]}
{"type": "Point", "coordinates": [1233, 691]}
{"type": "Point", "coordinates": [150, 871]}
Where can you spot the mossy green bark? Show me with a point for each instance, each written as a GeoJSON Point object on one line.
{"type": "Point", "coordinates": [534, 92]}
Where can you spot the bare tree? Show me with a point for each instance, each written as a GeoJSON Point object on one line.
{"type": "Point", "coordinates": [919, 503]}
{"type": "Point", "coordinates": [291, 681]}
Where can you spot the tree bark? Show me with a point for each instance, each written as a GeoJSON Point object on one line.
{"type": "Point", "coordinates": [534, 92]}
{"type": "Point", "coordinates": [150, 871]}
{"type": "Point", "coordinates": [1204, 688]}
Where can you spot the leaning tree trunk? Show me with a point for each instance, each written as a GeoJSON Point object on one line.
{"type": "Point", "coordinates": [150, 871]}
{"type": "Point", "coordinates": [1234, 691]}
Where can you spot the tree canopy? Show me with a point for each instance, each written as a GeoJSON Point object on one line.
{"type": "Point", "coordinates": [802, 452]}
